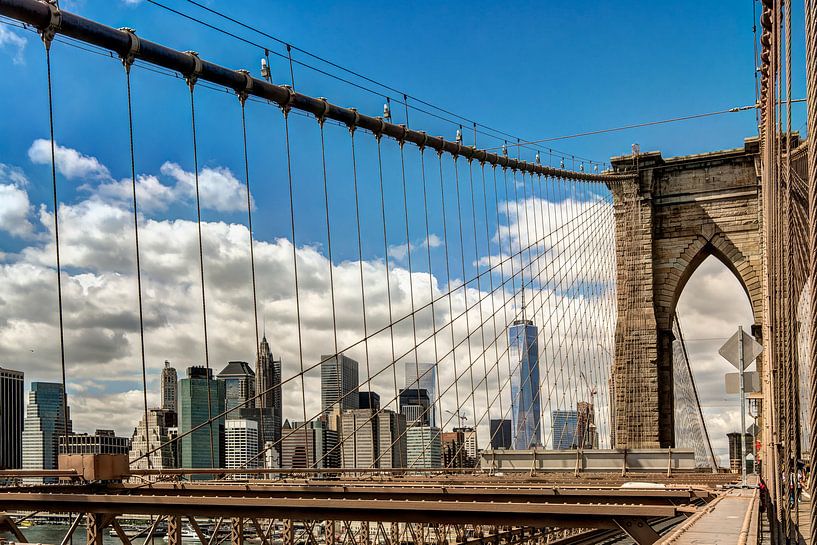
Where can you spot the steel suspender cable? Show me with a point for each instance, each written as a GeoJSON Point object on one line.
{"type": "Point", "coordinates": [506, 337]}
{"type": "Point", "coordinates": [531, 210]}
{"type": "Point", "coordinates": [107, 38]}
{"type": "Point", "coordinates": [361, 341]}
{"type": "Point", "coordinates": [482, 320]}
{"type": "Point", "coordinates": [304, 425]}
{"type": "Point", "coordinates": [489, 253]}
{"type": "Point", "coordinates": [290, 47]}
{"type": "Point", "coordinates": [791, 317]}
{"type": "Point", "coordinates": [242, 97]}
{"type": "Point", "coordinates": [710, 451]}
{"type": "Point", "coordinates": [464, 290]}
{"type": "Point", "coordinates": [505, 282]}
{"type": "Point", "coordinates": [387, 265]}
{"type": "Point", "coordinates": [436, 403]}
{"type": "Point", "coordinates": [461, 342]}
{"type": "Point", "coordinates": [416, 385]}
{"type": "Point", "coordinates": [459, 375]}
{"type": "Point", "coordinates": [811, 84]}
{"type": "Point", "coordinates": [449, 387]}
{"type": "Point", "coordinates": [360, 253]}
{"type": "Point", "coordinates": [191, 82]}
{"type": "Point", "coordinates": [515, 422]}
{"type": "Point", "coordinates": [291, 70]}
{"type": "Point", "coordinates": [329, 248]}
{"type": "Point", "coordinates": [47, 37]}
{"type": "Point", "coordinates": [515, 399]}
{"type": "Point", "coordinates": [127, 62]}
{"type": "Point", "coordinates": [448, 283]}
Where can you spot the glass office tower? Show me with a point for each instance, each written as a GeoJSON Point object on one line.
{"type": "Point", "coordinates": [525, 400]}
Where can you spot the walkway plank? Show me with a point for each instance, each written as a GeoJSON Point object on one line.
{"type": "Point", "coordinates": [721, 524]}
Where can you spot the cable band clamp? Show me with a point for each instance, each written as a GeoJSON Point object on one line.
{"type": "Point", "coordinates": [47, 34]}
{"type": "Point", "coordinates": [193, 77]}
{"type": "Point", "coordinates": [424, 142]}
{"type": "Point", "coordinates": [135, 47]}
{"type": "Point", "coordinates": [287, 105]}
{"type": "Point", "coordinates": [379, 133]}
{"type": "Point", "coordinates": [322, 116]}
{"type": "Point", "coordinates": [481, 156]}
{"type": "Point", "coordinates": [442, 146]}
{"type": "Point", "coordinates": [245, 92]}
{"type": "Point", "coordinates": [353, 125]}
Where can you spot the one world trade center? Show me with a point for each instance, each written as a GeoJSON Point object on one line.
{"type": "Point", "coordinates": [525, 403]}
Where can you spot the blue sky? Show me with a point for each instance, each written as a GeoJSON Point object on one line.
{"type": "Point", "coordinates": [532, 69]}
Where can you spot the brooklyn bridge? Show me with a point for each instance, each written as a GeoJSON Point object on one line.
{"type": "Point", "coordinates": [482, 338]}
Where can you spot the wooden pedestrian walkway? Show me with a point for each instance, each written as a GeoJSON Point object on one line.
{"type": "Point", "coordinates": [804, 519]}
{"type": "Point", "coordinates": [731, 519]}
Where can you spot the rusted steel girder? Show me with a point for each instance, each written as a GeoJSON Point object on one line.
{"type": "Point", "coordinates": [289, 532]}
{"type": "Point", "coordinates": [95, 524]}
{"type": "Point", "coordinates": [513, 536]}
{"type": "Point", "coordinates": [237, 531]}
{"type": "Point", "coordinates": [394, 533]}
{"type": "Point", "coordinates": [174, 530]}
{"type": "Point", "coordinates": [384, 491]}
{"type": "Point", "coordinates": [585, 515]}
{"type": "Point", "coordinates": [7, 524]}
{"type": "Point", "coordinates": [639, 529]}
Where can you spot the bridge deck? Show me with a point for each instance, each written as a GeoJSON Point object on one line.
{"type": "Point", "coordinates": [729, 520]}
{"type": "Point", "coordinates": [804, 520]}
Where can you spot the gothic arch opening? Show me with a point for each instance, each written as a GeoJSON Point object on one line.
{"type": "Point", "coordinates": [684, 265]}
{"type": "Point", "coordinates": [712, 301]}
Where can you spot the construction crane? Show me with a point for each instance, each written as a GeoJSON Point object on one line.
{"type": "Point", "coordinates": [591, 425]}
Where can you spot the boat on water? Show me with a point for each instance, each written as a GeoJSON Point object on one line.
{"type": "Point", "coordinates": [134, 531]}
{"type": "Point", "coordinates": [188, 534]}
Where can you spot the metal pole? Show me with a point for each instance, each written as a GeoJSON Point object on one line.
{"type": "Point", "coordinates": [742, 410]}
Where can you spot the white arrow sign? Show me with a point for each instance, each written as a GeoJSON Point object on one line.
{"type": "Point", "coordinates": [731, 350]}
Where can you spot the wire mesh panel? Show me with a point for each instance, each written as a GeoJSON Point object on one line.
{"type": "Point", "coordinates": [690, 427]}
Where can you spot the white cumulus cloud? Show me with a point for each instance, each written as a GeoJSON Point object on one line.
{"type": "Point", "coordinates": [14, 43]}
{"type": "Point", "coordinates": [14, 203]}
{"type": "Point", "coordinates": [70, 163]}
{"type": "Point", "coordinates": [219, 189]}
{"type": "Point", "coordinates": [151, 194]}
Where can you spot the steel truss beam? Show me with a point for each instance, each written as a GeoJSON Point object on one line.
{"type": "Point", "coordinates": [522, 493]}
{"type": "Point", "coordinates": [638, 528]}
{"type": "Point", "coordinates": [7, 524]}
{"type": "Point", "coordinates": [535, 514]}
{"type": "Point", "coordinates": [507, 537]}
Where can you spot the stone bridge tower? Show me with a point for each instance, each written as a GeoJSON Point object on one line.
{"type": "Point", "coordinates": [671, 217]}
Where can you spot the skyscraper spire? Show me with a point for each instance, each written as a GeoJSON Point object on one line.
{"type": "Point", "coordinates": [523, 294]}
{"type": "Point", "coordinates": [268, 388]}
{"type": "Point", "coordinates": [264, 373]}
